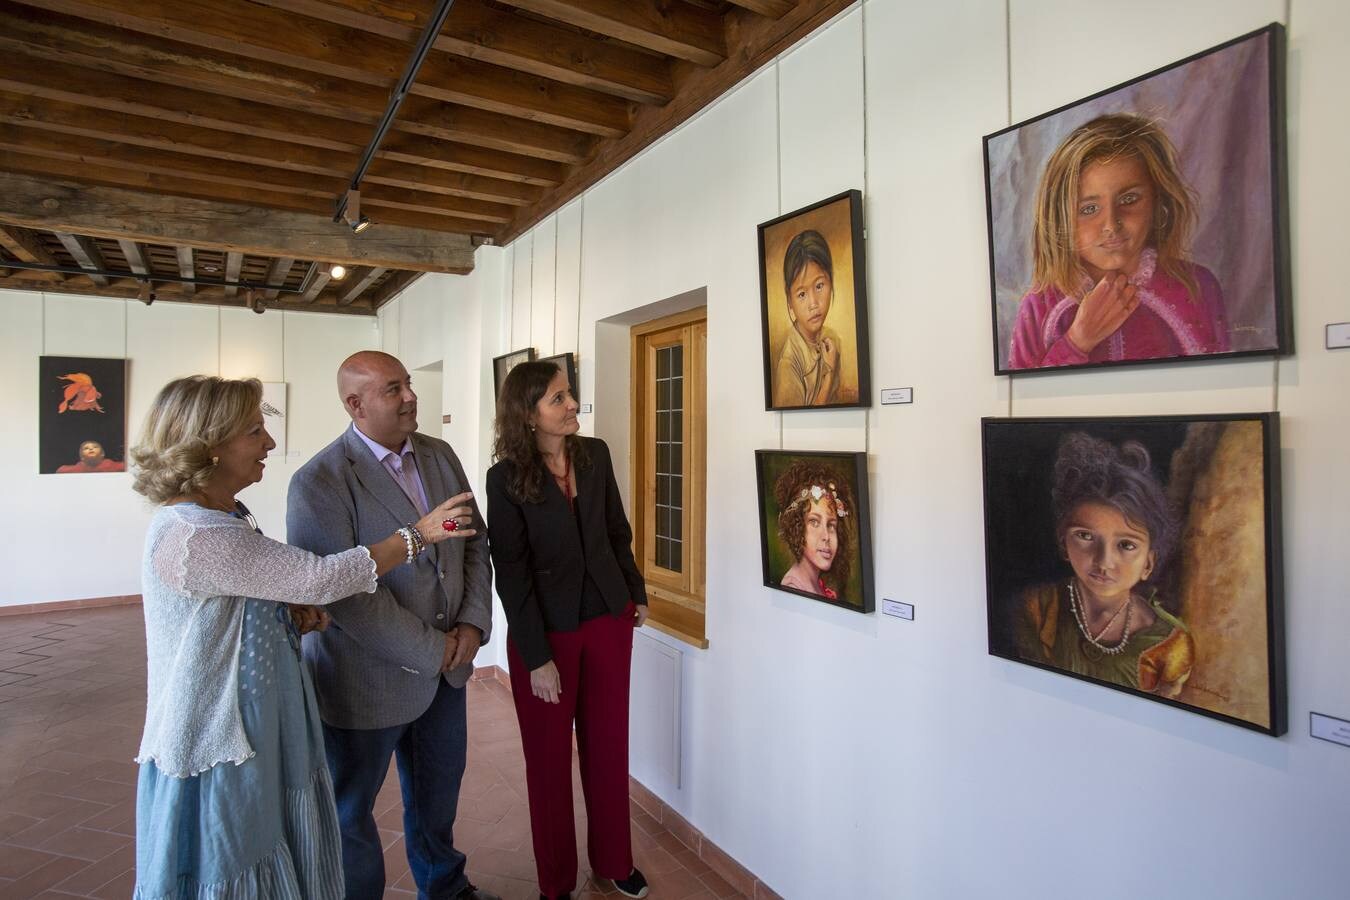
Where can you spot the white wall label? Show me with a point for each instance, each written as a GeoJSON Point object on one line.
{"type": "Point", "coordinates": [891, 396]}
{"type": "Point", "coordinates": [1338, 335]}
{"type": "Point", "coordinates": [1330, 728]}
{"type": "Point", "coordinates": [898, 609]}
{"type": "Point", "coordinates": [585, 408]}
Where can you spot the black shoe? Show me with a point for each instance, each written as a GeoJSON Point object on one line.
{"type": "Point", "coordinates": [567, 896]}
{"type": "Point", "coordinates": [632, 886]}
{"type": "Point", "coordinates": [472, 893]}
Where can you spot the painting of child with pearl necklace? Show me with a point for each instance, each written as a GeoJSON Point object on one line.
{"type": "Point", "coordinates": [1141, 554]}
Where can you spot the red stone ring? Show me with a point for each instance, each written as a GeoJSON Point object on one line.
{"type": "Point", "coordinates": [450, 525]}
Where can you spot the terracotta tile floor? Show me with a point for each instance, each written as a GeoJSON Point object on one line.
{"type": "Point", "coordinates": [72, 702]}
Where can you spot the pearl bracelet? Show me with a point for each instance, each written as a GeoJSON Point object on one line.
{"type": "Point", "coordinates": [412, 538]}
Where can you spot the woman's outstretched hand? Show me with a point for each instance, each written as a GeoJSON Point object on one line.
{"type": "Point", "coordinates": [456, 510]}
{"type": "Point", "coordinates": [546, 683]}
{"type": "Point", "coordinates": [1102, 311]}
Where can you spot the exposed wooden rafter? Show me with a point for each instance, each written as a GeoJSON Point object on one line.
{"type": "Point", "coordinates": [234, 262]}
{"type": "Point", "coordinates": [187, 268]}
{"type": "Point", "coordinates": [134, 256]}
{"type": "Point", "coordinates": [114, 213]}
{"type": "Point", "coordinates": [87, 256]}
{"type": "Point", "coordinates": [477, 32]}
{"type": "Point", "coordinates": [276, 275]}
{"type": "Point", "coordinates": [676, 29]}
{"type": "Point", "coordinates": [356, 283]}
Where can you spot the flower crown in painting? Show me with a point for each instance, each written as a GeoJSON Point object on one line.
{"type": "Point", "coordinates": [815, 492]}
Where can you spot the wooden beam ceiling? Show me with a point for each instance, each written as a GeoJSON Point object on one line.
{"type": "Point", "coordinates": [231, 127]}
{"type": "Point", "coordinates": [114, 213]}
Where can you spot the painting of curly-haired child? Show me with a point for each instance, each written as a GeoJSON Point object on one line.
{"type": "Point", "coordinates": [814, 529]}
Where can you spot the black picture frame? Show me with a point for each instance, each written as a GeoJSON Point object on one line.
{"type": "Point", "coordinates": [773, 465]}
{"type": "Point", "coordinates": [1228, 140]}
{"type": "Point", "coordinates": [568, 363]}
{"type": "Point", "coordinates": [502, 365]}
{"type": "Point", "coordinates": [1222, 477]}
{"type": "Point", "coordinates": [81, 400]}
{"type": "Point", "coordinates": [839, 219]}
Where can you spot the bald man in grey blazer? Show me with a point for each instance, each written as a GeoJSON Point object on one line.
{"type": "Point", "coordinates": [390, 670]}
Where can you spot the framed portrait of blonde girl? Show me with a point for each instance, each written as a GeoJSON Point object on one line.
{"type": "Point", "coordinates": [1148, 222]}
{"type": "Point", "coordinates": [813, 301]}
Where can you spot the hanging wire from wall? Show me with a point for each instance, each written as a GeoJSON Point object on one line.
{"type": "Point", "coordinates": [1007, 79]}
{"type": "Point", "coordinates": [867, 200]}
{"type": "Point", "coordinates": [778, 150]}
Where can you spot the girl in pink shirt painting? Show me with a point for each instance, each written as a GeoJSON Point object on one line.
{"type": "Point", "coordinates": [1112, 280]}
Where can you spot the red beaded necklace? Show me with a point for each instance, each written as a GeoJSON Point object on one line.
{"type": "Point", "coordinates": [565, 481]}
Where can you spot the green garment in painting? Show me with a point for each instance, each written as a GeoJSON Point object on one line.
{"type": "Point", "coordinates": [1048, 633]}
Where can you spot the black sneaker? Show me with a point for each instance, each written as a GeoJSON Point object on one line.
{"type": "Point", "coordinates": [632, 886]}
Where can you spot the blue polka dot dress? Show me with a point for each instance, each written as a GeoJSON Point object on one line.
{"type": "Point", "coordinates": [267, 827]}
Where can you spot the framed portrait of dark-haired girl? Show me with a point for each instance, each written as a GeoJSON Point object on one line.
{"type": "Point", "coordinates": [1148, 222]}
{"type": "Point", "coordinates": [813, 302]}
{"type": "Point", "coordinates": [815, 532]}
{"type": "Point", "coordinates": [1142, 554]}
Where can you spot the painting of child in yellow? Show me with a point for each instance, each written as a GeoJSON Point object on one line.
{"type": "Point", "coordinates": [813, 291]}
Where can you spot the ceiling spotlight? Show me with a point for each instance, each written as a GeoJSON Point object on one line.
{"type": "Point", "coordinates": [337, 272]}
{"type": "Point", "coordinates": [146, 293]}
{"type": "Point", "coordinates": [352, 215]}
{"type": "Point", "coordinates": [258, 304]}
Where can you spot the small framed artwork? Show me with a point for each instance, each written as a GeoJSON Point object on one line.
{"type": "Point", "coordinates": [814, 531]}
{"type": "Point", "coordinates": [82, 418]}
{"type": "Point", "coordinates": [1142, 554]}
{"type": "Point", "coordinates": [274, 415]}
{"type": "Point", "coordinates": [813, 303]}
{"type": "Point", "coordinates": [502, 365]}
{"type": "Point", "coordinates": [568, 363]}
{"type": "Point", "coordinates": [1148, 222]}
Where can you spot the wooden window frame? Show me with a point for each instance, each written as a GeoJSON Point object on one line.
{"type": "Point", "coordinates": [676, 600]}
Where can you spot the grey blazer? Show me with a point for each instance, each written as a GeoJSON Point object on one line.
{"type": "Point", "coordinates": [378, 664]}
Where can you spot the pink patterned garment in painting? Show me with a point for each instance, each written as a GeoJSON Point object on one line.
{"type": "Point", "coordinates": [1168, 323]}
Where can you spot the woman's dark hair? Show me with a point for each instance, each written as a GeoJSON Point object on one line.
{"type": "Point", "coordinates": [522, 390]}
{"type": "Point", "coordinates": [806, 247]}
{"type": "Point", "coordinates": [1091, 470]}
{"type": "Point", "coordinates": [792, 493]}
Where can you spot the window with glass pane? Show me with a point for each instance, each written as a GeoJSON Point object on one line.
{"type": "Point", "coordinates": [669, 456]}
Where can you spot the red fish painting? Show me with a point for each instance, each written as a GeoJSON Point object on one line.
{"type": "Point", "coordinates": [80, 394]}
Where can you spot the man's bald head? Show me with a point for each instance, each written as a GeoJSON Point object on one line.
{"type": "Point", "coordinates": [377, 393]}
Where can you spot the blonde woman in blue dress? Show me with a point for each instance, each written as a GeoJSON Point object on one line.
{"type": "Point", "coordinates": [234, 799]}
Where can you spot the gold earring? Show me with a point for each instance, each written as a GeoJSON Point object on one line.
{"type": "Point", "coordinates": [215, 460]}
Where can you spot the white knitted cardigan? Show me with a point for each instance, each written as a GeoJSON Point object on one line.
{"type": "Point", "coordinates": [199, 565]}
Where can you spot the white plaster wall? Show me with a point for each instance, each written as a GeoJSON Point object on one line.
{"type": "Point", "coordinates": [839, 755]}
{"type": "Point", "coordinates": [74, 538]}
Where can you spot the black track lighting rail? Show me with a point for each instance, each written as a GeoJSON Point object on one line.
{"type": "Point", "coordinates": [401, 90]}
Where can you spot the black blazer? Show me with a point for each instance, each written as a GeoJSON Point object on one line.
{"type": "Point", "coordinates": [541, 557]}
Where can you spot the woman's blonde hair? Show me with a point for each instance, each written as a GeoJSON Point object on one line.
{"type": "Point", "coordinates": [189, 417]}
{"type": "Point", "coordinates": [1107, 138]}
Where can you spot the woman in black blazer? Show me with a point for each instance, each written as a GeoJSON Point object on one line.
{"type": "Point", "coordinates": [562, 550]}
